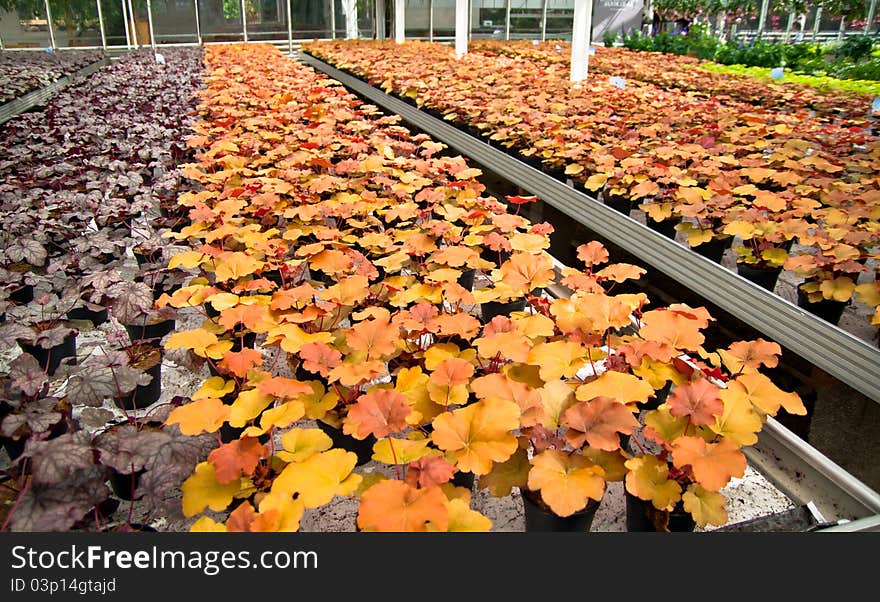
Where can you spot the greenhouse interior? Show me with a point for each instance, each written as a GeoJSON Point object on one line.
{"type": "Point", "coordinates": [439, 266]}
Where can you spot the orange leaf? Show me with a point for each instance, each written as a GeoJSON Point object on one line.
{"type": "Point", "coordinates": [713, 464]}
{"type": "Point", "coordinates": [598, 422]}
{"type": "Point", "coordinates": [429, 471]}
{"type": "Point", "coordinates": [319, 358]}
{"type": "Point", "coordinates": [284, 388]}
{"type": "Point", "coordinates": [376, 337]}
{"type": "Point", "coordinates": [750, 355]}
{"type": "Point", "coordinates": [593, 253]}
{"type": "Point", "coordinates": [698, 400]}
{"type": "Point", "coordinates": [293, 297]}
{"type": "Point", "coordinates": [207, 415]}
{"type": "Point", "coordinates": [458, 324]}
{"type": "Point", "coordinates": [392, 505]}
{"type": "Point", "coordinates": [240, 362]}
{"type": "Point", "coordinates": [236, 458]}
{"type": "Point", "coordinates": [452, 372]}
{"type": "Point", "coordinates": [524, 272]}
{"type": "Point", "coordinates": [672, 328]}
{"type": "Point", "coordinates": [254, 317]}
{"type": "Point", "coordinates": [379, 413]}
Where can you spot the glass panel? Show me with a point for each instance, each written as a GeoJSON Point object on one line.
{"type": "Point", "coordinates": [366, 18]}
{"type": "Point", "coordinates": [75, 24]}
{"type": "Point", "coordinates": [525, 19]}
{"type": "Point", "coordinates": [487, 18]}
{"type": "Point", "coordinates": [444, 19]}
{"type": "Point", "coordinates": [25, 27]}
{"type": "Point", "coordinates": [311, 19]}
{"type": "Point", "coordinates": [174, 21]}
{"type": "Point", "coordinates": [618, 17]}
{"type": "Point", "coordinates": [560, 17]}
{"type": "Point", "coordinates": [114, 26]}
{"type": "Point", "coordinates": [266, 19]}
{"type": "Point", "coordinates": [141, 36]}
{"type": "Point", "coordinates": [220, 20]}
{"type": "Point", "coordinates": [417, 19]}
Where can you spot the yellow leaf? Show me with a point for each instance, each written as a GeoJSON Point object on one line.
{"type": "Point", "coordinates": [621, 386]}
{"type": "Point", "coordinates": [248, 406]}
{"type": "Point", "coordinates": [557, 359]}
{"type": "Point", "coordinates": [740, 228]}
{"type": "Point", "coordinates": [739, 421]}
{"type": "Point", "coordinates": [186, 259]}
{"type": "Point", "coordinates": [572, 169]}
{"type": "Point", "coordinates": [207, 525]}
{"type": "Point", "coordinates": [556, 398]}
{"type": "Point", "coordinates": [596, 181]}
{"type": "Point", "coordinates": [478, 434]}
{"type": "Point", "coordinates": [658, 373]}
{"type": "Point", "coordinates": [283, 415]}
{"type": "Point", "coordinates": [463, 519]}
{"type": "Point", "coordinates": [648, 479]}
{"type": "Point", "coordinates": [567, 482]}
{"type": "Point", "coordinates": [504, 476]}
{"type": "Point", "coordinates": [319, 478]}
{"type": "Point", "coordinates": [404, 450]}
{"type": "Point", "coordinates": [201, 490]}
{"type": "Point", "coordinates": [839, 289]}
{"type": "Point", "coordinates": [235, 266]}
{"type": "Point", "coordinates": [765, 396]}
{"type": "Point", "coordinates": [413, 384]}
{"type": "Point", "coordinates": [869, 293]}
{"type": "Point", "coordinates": [300, 444]}
{"type": "Point", "coordinates": [215, 386]}
{"type": "Point", "coordinates": [287, 512]}
{"type": "Point", "coordinates": [206, 415]}
{"type": "Point", "coordinates": [663, 427]}
{"type": "Point", "coordinates": [438, 352]}
{"type": "Point", "coordinates": [707, 507]}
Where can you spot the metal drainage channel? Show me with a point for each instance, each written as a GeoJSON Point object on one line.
{"type": "Point", "coordinates": [837, 501]}
{"type": "Point", "coordinates": [41, 96]}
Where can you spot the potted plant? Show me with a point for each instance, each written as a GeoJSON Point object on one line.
{"type": "Point", "coordinates": [134, 307]}
{"type": "Point", "coordinates": [41, 330]}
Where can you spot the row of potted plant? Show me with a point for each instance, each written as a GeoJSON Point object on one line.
{"type": "Point", "coordinates": [84, 184]}
{"type": "Point", "coordinates": [716, 172]}
{"type": "Point", "coordinates": [680, 72]}
{"type": "Point", "coordinates": [23, 72]}
{"type": "Point", "coordinates": [352, 273]}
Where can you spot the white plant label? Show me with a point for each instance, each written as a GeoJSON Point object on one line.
{"type": "Point", "coordinates": [617, 82]}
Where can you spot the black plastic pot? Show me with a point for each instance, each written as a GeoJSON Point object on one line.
{"type": "Point", "coordinates": [666, 227]}
{"type": "Point", "coordinates": [125, 484]}
{"type": "Point", "coordinates": [231, 433]}
{"type": "Point", "coordinates": [494, 308]}
{"type": "Point", "coordinates": [659, 397]}
{"type": "Point", "coordinates": [464, 479]}
{"type": "Point", "coordinates": [143, 395]}
{"type": "Point", "coordinates": [639, 517]}
{"type": "Point", "coordinates": [147, 258]}
{"type": "Point", "coordinates": [15, 447]}
{"type": "Point", "coordinates": [250, 340]}
{"type": "Point", "coordinates": [143, 332]}
{"type": "Point", "coordinates": [363, 448]}
{"type": "Point", "coordinates": [714, 249]}
{"type": "Point", "coordinates": [766, 278]}
{"type": "Point", "coordinates": [83, 313]}
{"type": "Point", "coordinates": [466, 279]}
{"type": "Point", "coordinates": [51, 358]}
{"type": "Point", "coordinates": [23, 295]}
{"type": "Point", "coordinates": [539, 518]}
{"type": "Point", "coordinates": [828, 310]}
{"type": "Point", "coordinates": [618, 203]}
